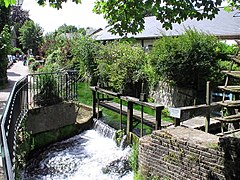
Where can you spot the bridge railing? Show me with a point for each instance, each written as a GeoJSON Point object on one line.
{"type": "Point", "coordinates": [51, 88]}
{"type": "Point", "coordinates": [30, 92]}
{"type": "Point", "coordinates": [15, 110]}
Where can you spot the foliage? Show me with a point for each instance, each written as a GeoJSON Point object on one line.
{"type": "Point", "coordinates": [67, 29]}
{"type": "Point", "coordinates": [134, 158]}
{"type": "Point", "coordinates": [128, 16]}
{"type": "Point", "coordinates": [4, 42]}
{"type": "Point", "coordinates": [15, 50]}
{"type": "Point", "coordinates": [189, 60]}
{"type": "Point", "coordinates": [48, 85]}
{"type": "Point", "coordinates": [121, 66]}
{"type": "Point", "coordinates": [18, 16]}
{"type": "Point", "coordinates": [31, 36]}
{"type": "Point", "coordinates": [84, 51]}
{"type": "Point", "coordinates": [5, 47]}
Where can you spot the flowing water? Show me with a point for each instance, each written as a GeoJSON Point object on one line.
{"type": "Point", "coordinates": [83, 157]}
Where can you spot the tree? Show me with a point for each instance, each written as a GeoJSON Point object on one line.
{"type": "Point", "coordinates": [67, 29]}
{"type": "Point", "coordinates": [18, 17]}
{"type": "Point", "coordinates": [128, 15]}
{"type": "Point", "coordinates": [5, 42]}
{"type": "Point", "coordinates": [31, 36]}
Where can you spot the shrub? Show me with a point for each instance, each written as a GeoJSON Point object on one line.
{"type": "Point", "coordinates": [84, 51]}
{"type": "Point", "coordinates": [121, 67]}
{"type": "Point", "coordinates": [188, 60]}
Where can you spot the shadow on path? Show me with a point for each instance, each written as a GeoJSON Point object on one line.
{"type": "Point", "coordinates": [13, 74]}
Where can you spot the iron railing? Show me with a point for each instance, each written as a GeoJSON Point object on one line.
{"type": "Point", "coordinates": [50, 88]}
{"type": "Point", "coordinates": [29, 92]}
{"type": "Point", "coordinates": [15, 110]}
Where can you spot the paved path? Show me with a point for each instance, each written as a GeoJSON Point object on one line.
{"type": "Point", "coordinates": [16, 72]}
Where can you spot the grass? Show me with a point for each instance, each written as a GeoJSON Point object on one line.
{"type": "Point", "coordinates": [113, 118]}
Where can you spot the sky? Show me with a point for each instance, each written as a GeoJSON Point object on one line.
{"type": "Point", "coordinates": [80, 15]}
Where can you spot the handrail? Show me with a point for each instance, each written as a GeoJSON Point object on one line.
{"type": "Point", "coordinates": [130, 102]}
{"type": "Point", "coordinates": [17, 107]}
{"type": "Point", "coordinates": [8, 128]}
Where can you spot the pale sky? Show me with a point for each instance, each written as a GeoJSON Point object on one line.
{"type": "Point", "coordinates": [80, 15]}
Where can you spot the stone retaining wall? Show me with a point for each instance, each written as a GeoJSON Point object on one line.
{"type": "Point", "coordinates": [172, 96]}
{"type": "Point", "coordinates": [183, 153]}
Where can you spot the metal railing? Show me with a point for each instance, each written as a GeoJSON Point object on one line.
{"type": "Point", "coordinates": [15, 110]}
{"type": "Point", "coordinates": [29, 92]}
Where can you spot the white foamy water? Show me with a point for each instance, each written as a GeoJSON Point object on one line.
{"type": "Point", "coordinates": [79, 158]}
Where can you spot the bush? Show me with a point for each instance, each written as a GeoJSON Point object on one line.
{"type": "Point", "coordinates": [121, 66]}
{"type": "Point", "coordinates": [188, 60]}
{"type": "Point", "coordinates": [84, 51]}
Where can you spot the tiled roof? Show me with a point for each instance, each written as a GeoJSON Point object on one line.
{"type": "Point", "coordinates": [225, 25]}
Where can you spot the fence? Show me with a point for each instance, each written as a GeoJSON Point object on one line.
{"type": "Point", "coordinates": [15, 111]}
{"type": "Point", "coordinates": [29, 92]}
{"type": "Point", "coordinates": [129, 111]}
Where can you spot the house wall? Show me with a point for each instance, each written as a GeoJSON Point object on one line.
{"type": "Point", "coordinates": [184, 153]}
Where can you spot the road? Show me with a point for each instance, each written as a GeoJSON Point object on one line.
{"type": "Point", "coordinates": [15, 73]}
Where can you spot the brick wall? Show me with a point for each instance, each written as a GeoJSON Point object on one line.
{"type": "Point", "coordinates": [183, 153]}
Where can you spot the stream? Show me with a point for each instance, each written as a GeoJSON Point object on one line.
{"type": "Point", "coordinates": [87, 156]}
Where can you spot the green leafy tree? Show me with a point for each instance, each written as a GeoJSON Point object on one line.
{"type": "Point", "coordinates": [67, 29]}
{"type": "Point", "coordinates": [18, 17]}
{"type": "Point", "coordinates": [188, 60]}
{"type": "Point", "coordinates": [84, 51]}
{"type": "Point", "coordinates": [31, 36]}
{"type": "Point", "coordinates": [128, 15]}
{"type": "Point", "coordinates": [5, 48]}
{"type": "Point", "coordinates": [5, 42]}
{"type": "Point", "coordinates": [121, 66]}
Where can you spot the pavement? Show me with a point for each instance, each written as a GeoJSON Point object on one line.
{"type": "Point", "coordinates": [14, 73]}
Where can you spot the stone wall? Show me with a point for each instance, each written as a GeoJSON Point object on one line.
{"type": "Point", "coordinates": [184, 153]}
{"type": "Point", "coordinates": [172, 96]}
{"type": "Point", "coordinates": [47, 118]}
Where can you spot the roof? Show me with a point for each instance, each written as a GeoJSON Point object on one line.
{"type": "Point", "coordinates": [226, 25]}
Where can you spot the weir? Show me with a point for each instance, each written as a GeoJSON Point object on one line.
{"type": "Point", "coordinates": [90, 155]}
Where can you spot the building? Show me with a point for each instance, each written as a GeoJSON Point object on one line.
{"type": "Point", "coordinates": [226, 26]}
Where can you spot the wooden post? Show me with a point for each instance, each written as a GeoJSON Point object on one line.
{"type": "Point", "coordinates": [98, 101]}
{"type": "Point", "coordinates": [158, 118]}
{"type": "Point", "coordinates": [121, 114]}
{"type": "Point", "coordinates": [176, 122]}
{"type": "Point", "coordinates": [141, 132]}
{"type": "Point", "coordinates": [94, 103]}
{"type": "Point", "coordinates": [207, 121]}
{"type": "Point", "coordinates": [129, 117]}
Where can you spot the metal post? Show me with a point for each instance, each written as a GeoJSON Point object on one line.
{"type": "Point", "coordinates": [207, 121]}
{"type": "Point", "coordinates": [129, 117]}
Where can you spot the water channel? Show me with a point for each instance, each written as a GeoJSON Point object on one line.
{"type": "Point", "coordinates": [87, 156]}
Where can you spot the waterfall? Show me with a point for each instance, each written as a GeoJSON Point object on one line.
{"type": "Point", "coordinates": [88, 155]}
{"type": "Point", "coordinates": [104, 129]}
